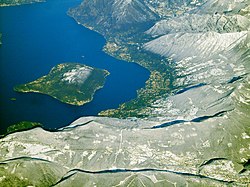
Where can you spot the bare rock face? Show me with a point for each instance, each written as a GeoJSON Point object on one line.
{"type": "Point", "coordinates": [207, 52]}
{"type": "Point", "coordinates": [194, 45]}
{"type": "Point", "coordinates": [223, 6]}
{"type": "Point", "coordinates": [200, 23]}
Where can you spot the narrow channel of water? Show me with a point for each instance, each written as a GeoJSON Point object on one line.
{"type": "Point", "coordinates": [39, 36]}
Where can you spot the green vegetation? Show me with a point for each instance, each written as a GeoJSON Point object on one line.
{"type": "Point", "coordinates": [70, 83]}
{"type": "Point", "coordinates": [12, 180]}
{"type": "Point", "coordinates": [29, 172]}
{"type": "Point", "coordinates": [24, 125]}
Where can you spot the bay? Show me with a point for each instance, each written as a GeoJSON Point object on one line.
{"type": "Point", "coordinates": [36, 37]}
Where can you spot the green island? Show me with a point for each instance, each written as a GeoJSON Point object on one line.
{"type": "Point", "coordinates": [70, 83]}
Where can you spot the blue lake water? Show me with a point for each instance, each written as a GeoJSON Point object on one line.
{"type": "Point", "coordinates": [39, 36]}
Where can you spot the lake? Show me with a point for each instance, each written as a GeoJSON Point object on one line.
{"type": "Point", "coordinates": [37, 37]}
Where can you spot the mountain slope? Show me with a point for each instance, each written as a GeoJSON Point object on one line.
{"type": "Point", "coordinates": [197, 45]}
{"type": "Point", "coordinates": [200, 23]}
{"type": "Point", "coordinates": [223, 6]}
{"type": "Point", "coordinates": [113, 14]}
